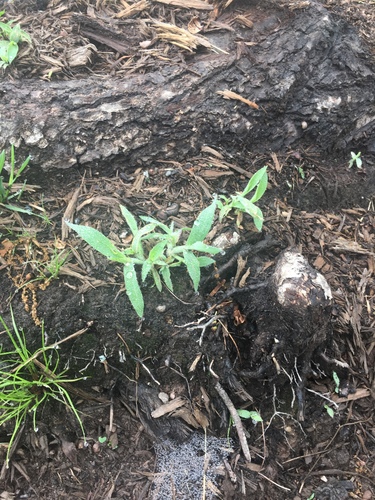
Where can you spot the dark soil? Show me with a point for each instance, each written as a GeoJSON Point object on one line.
{"type": "Point", "coordinates": [313, 201]}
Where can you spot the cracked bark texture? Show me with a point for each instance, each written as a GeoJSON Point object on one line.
{"type": "Point", "coordinates": [310, 74]}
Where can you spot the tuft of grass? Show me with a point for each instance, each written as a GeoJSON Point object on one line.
{"type": "Point", "coordinates": [14, 174]}
{"type": "Point", "coordinates": [26, 383]}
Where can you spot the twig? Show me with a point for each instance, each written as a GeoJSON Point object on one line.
{"type": "Point", "coordinates": [273, 482]}
{"type": "Point", "coordinates": [236, 419]}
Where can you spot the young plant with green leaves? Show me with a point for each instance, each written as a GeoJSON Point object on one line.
{"type": "Point", "coordinates": [13, 175]}
{"type": "Point", "coordinates": [241, 204]}
{"type": "Point", "coordinates": [26, 383]}
{"type": "Point", "coordinates": [355, 160]}
{"type": "Point", "coordinates": [156, 248]}
{"type": "Point", "coordinates": [11, 36]}
{"type": "Point", "coordinates": [246, 415]}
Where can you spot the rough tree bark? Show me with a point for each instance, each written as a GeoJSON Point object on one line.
{"type": "Point", "coordinates": [309, 73]}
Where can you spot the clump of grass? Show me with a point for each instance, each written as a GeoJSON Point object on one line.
{"type": "Point", "coordinates": [14, 174]}
{"type": "Point", "coordinates": [26, 383]}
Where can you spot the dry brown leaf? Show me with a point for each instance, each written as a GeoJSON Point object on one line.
{"type": "Point", "coordinates": [276, 162]}
{"type": "Point", "coordinates": [195, 25]}
{"type": "Point", "coordinates": [228, 94]}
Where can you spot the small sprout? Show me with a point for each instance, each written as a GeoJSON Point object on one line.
{"type": "Point", "coordinates": [355, 159]}
{"type": "Point", "coordinates": [245, 414]}
{"type": "Point", "coordinates": [329, 410]}
{"type": "Point", "coordinates": [241, 204]}
{"type": "Point", "coordinates": [10, 37]}
{"type": "Point", "coordinates": [301, 172]}
{"type": "Point", "coordinates": [102, 439]}
{"type": "Point", "coordinates": [254, 415]}
{"type": "Point", "coordinates": [312, 496]}
{"type": "Point", "coordinates": [337, 382]}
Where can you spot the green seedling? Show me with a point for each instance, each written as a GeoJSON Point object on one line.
{"type": "Point", "coordinates": [11, 36]}
{"type": "Point", "coordinates": [156, 248]}
{"type": "Point", "coordinates": [241, 204]}
{"type": "Point", "coordinates": [330, 411]}
{"type": "Point", "coordinates": [312, 496]}
{"type": "Point", "coordinates": [355, 159]}
{"type": "Point", "coordinates": [246, 415]}
{"type": "Point", "coordinates": [14, 174]}
{"type": "Point", "coordinates": [337, 382]}
{"type": "Point", "coordinates": [301, 173]}
{"type": "Point", "coordinates": [26, 383]}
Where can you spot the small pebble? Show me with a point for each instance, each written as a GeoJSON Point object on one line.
{"type": "Point", "coordinates": [162, 308]}
{"type": "Point", "coordinates": [367, 495]}
{"type": "Point", "coordinates": [304, 125]}
{"type": "Point", "coordinates": [163, 396]}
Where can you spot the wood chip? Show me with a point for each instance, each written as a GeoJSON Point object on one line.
{"type": "Point", "coordinates": [228, 94]}
{"type": "Point", "coordinates": [187, 4]}
{"type": "Point", "coordinates": [168, 407]}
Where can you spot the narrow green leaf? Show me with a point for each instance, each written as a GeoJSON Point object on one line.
{"type": "Point", "coordinates": [165, 228]}
{"type": "Point", "coordinates": [205, 261]}
{"type": "Point", "coordinates": [255, 212]}
{"type": "Point", "coordinates": [166, 275]}
{"type": "Point", "coordinates": [202, 224]}
{"type": "Point", "coordinates": [2, 160]}
{"type": "Point", "coordinates": [12, 51]}
{"type": "Point", "coordinates": [133, 289]}
{"type": "Point", "coordinates": [199, 246]}
{"type": "Point", "coordinates": [98, 241]}
{"type": "Point", "coordinates": [254, 181]}
{"type": "Point", "coordinates": [192, 264]}
{"type": "Point", "coordinates": [262, 186]}
{"type": "Point", "coordinates": [146, 268]}
{"type": "Point", "coordinates": [157, 279]}
{"type": "Point", "coordinates": [130, 220]}
{"type": "Point", "coordinates": [138, 237]}
{"type": "Point", "coordinates": [157, 251]}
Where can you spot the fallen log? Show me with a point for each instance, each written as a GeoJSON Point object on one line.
{"type": "Point", "coordinates": [308, 74]}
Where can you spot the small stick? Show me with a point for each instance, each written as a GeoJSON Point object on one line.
{"type": "Point", "coordinates": [236, 419]}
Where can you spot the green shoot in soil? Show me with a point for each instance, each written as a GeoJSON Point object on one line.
{"type": "Point", "coordinates": [26, 383]}
{"type": "Point", "coordinates": [336, 379]}
{"type": "Point", "coordinates": [156, 248]}
{"type": "Point", "coordinates": [355, 159]}
{"type": "Point", "coordinates": [241, 204]}
{"type": "Point", "coordinates": [14, 174]}
{"type": "Point", "coordinates": [11, 37]}
{"type": "Point", "coordinates": [245, 414]}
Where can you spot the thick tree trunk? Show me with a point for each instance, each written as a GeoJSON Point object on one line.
{"type": "Point", "coordinates": [309, 73]}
